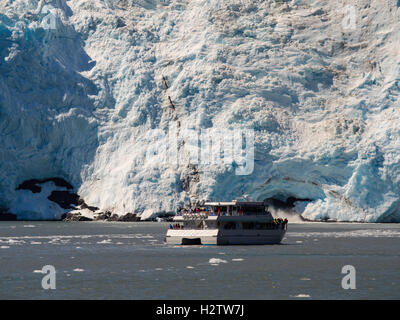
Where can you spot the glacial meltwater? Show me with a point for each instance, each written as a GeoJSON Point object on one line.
{"type": "Point", "coordinates": [104, 260]}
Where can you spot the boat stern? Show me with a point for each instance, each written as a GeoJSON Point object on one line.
{"type": "Point", "coordinates": [192, 237]}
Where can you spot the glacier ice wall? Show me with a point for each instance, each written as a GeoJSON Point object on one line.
{"type": "Point", "coordinates": [318, 82]}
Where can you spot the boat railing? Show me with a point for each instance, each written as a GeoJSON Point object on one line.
{"type": "Point", "coordinates": [206, 214]}
{"type": "Point", "coordinates": [194, 216]}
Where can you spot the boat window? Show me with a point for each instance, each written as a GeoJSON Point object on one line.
{"type": "Point", "coordinates": [262, 226]}
{"type": "Point", "coordinates": [250, 210]}
{"type": "Point", "coordinates": [210, 224]}
{"type": "Point", "coordinates": [248, 225]}
{"type": "Point", "coordinates": [230, 225]}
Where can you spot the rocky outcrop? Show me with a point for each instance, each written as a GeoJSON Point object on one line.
{"type": "Point", "coordinates": [129, 217]}
{"type": "Point", "coordinates": [109, 216]}
{"type": "Point", "coordinates": [102, 216]}
{"type": "Point", "coordinates": [33, 184]}
{"type": "Point", "coordinates": [65, 199]}
{"type": "Point", "coordinates": [75, 217]}
{"type": "Point", "coordinates": [6, 216]}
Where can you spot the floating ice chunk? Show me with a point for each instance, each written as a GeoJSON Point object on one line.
{"type": "Point", "coordinates": [105, 241]}
{"type": "Point", "coordinates": [237, 259]}
{"type": "Point", "coordinates": [216, 261]}
{"type": "Point", "coordinates": [374, 233]}
{"type": "Point", "coordinates": [302, 295]}
{"type": "Point", "coordinates": [12, 241]}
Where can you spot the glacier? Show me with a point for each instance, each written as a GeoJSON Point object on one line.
{"type": "Point", "coordinates": [88, 87]}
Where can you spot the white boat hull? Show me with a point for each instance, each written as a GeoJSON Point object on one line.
{"type": "Point", "coordinates": [224, 237]}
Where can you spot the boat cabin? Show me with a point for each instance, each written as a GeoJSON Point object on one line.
{"type": "Point", "coordinates": [234, 215]}
{"type": "Point", "coordinates": [223, 223]}
{"type": "Point", "coordinates": [238, 208]}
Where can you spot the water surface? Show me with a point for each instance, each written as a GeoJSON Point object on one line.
{"type": "Point", "coordinates": [105, 260]}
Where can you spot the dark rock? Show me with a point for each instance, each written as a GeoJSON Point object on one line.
{"type": "Point", "coordinates": [103, 215]}
{"type": "Point", "coordinates": [93, 209]}
{"type": "Point", "coordinates": [114, 217]}
{"type": "Point", "coordinates": [59, 182]}
{"type": "Point", "coordinates": [6, 216]}
{"type": "Point", "coordinates": [32, 184]}
{"type": "Point", "coordinates": [82, 204]}
{"type": "Point", "coordinates": [288, 204]}
{"type": "Point", "coordinates": [74, 217]}
{"type": "Point", "coordinates": [82, 218]}
{"type": "Point", "coordinates": [129, 217]}
{"type": "Point", "coordinates": [64, 199]}
{"type": "Point", "coordinates": [109, 216]}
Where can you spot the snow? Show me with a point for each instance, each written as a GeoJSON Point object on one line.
{"type": "Point", "coordinates": [82, 102]}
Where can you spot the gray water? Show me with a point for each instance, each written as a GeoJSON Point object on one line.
{"type": "Point", "coordinates": [103, 260]}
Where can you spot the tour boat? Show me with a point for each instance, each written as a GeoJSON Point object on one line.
{"type": "Point", "coordinates": [226, 223]}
